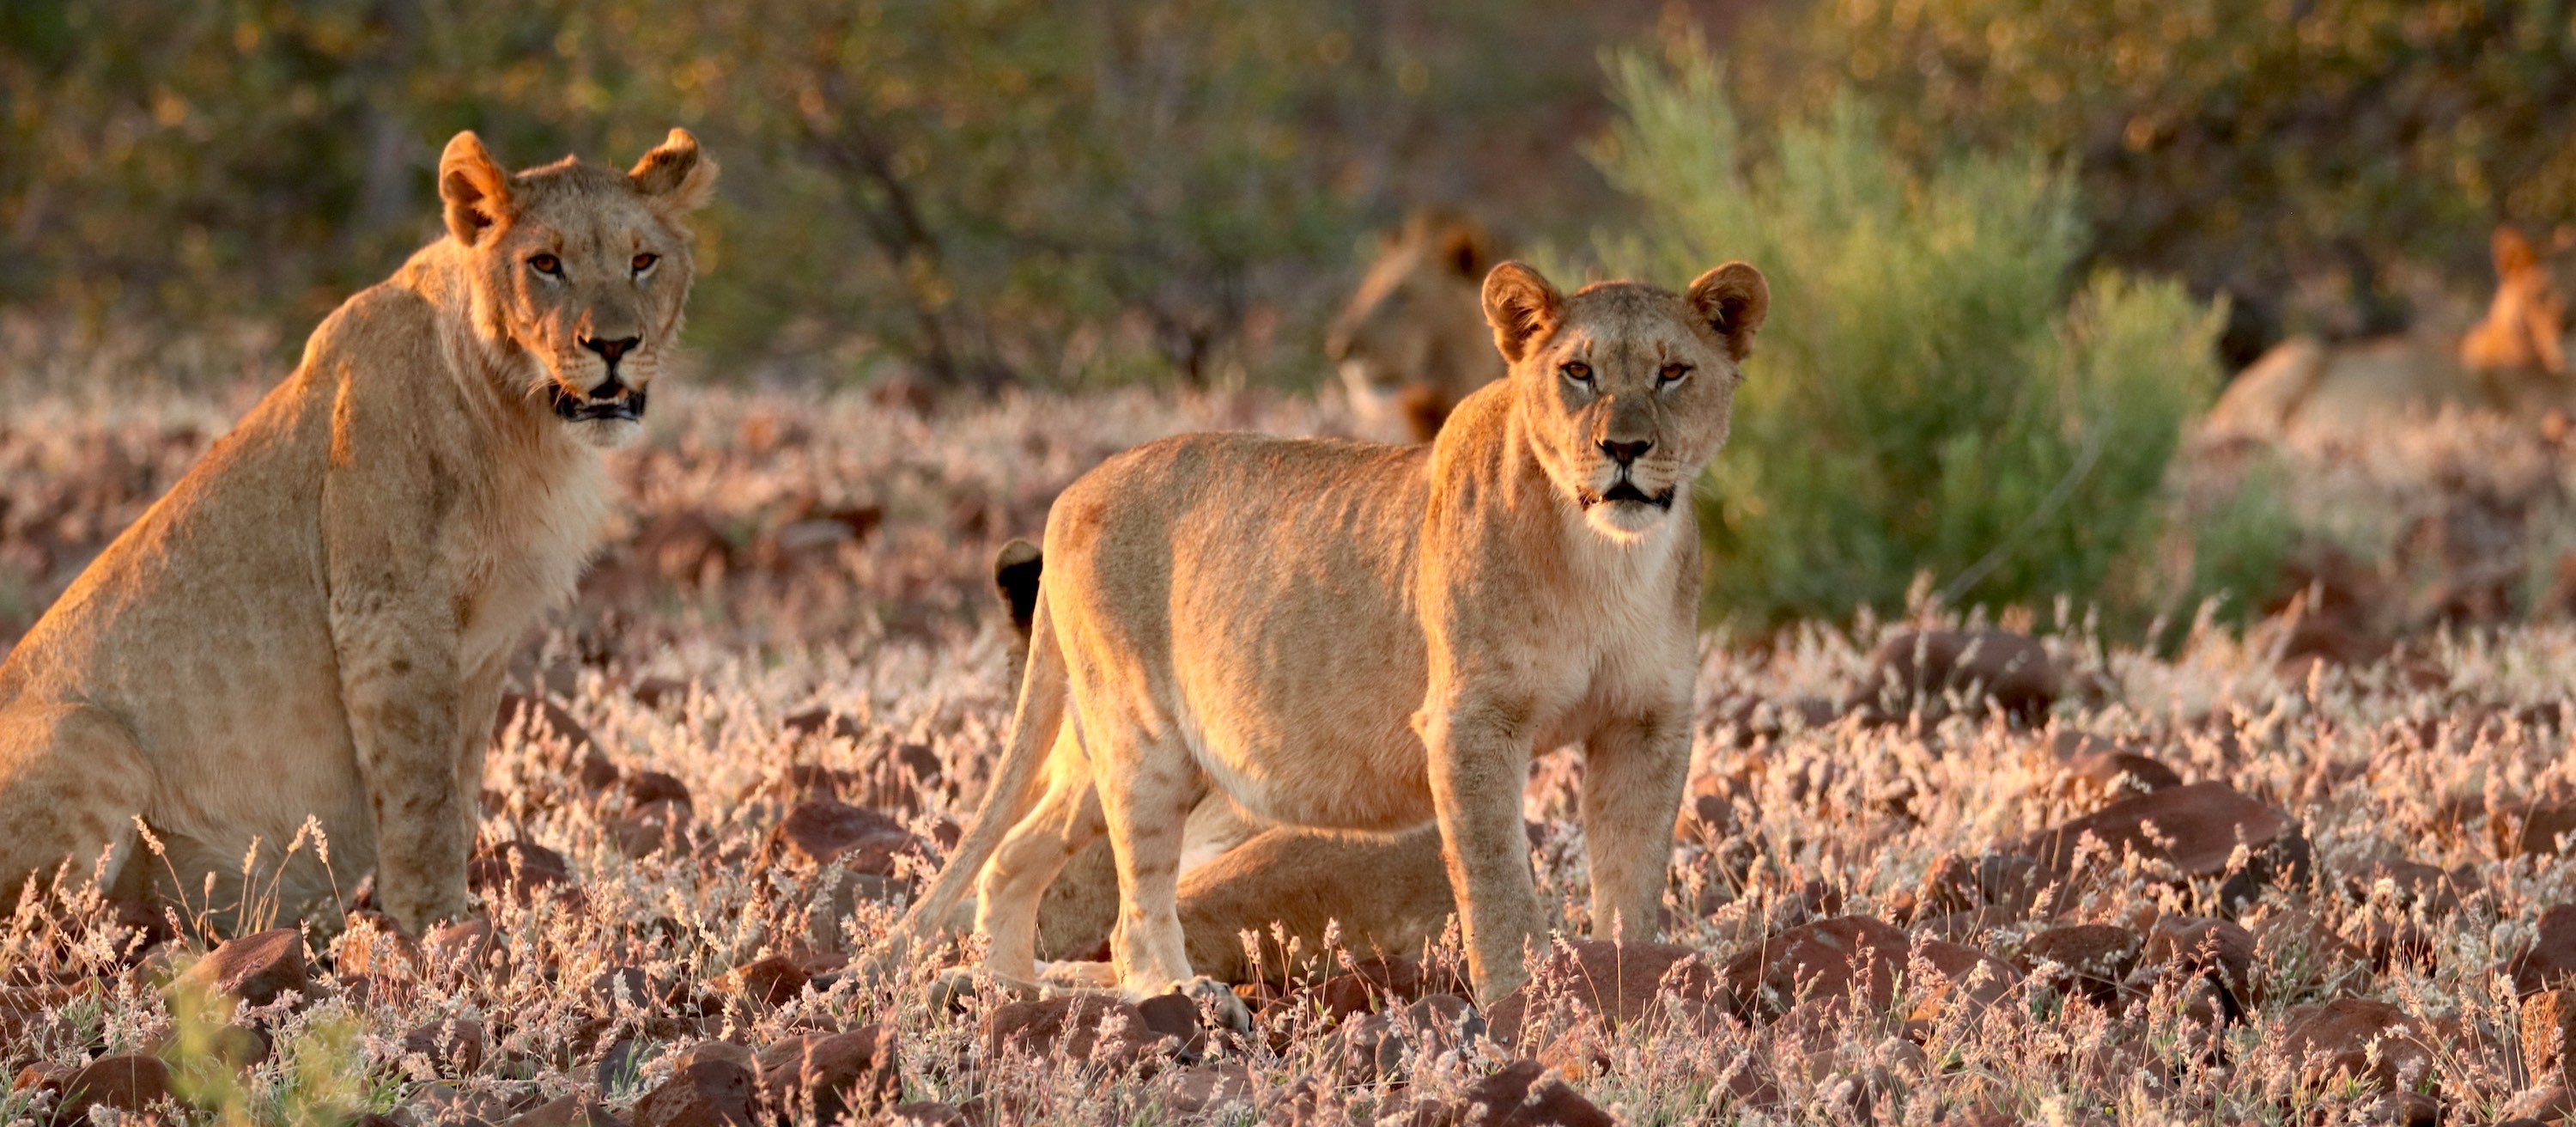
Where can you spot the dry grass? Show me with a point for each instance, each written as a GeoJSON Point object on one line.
{"type": "Point", "coordinates": [786, 554]}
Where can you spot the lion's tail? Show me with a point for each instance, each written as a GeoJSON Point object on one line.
{"type": "Point", "coordinates": [1034, 726]}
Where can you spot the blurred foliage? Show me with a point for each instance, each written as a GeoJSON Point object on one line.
{"type": "Point", "coordinates": [1933, 393]}
{"type": "Point", "coordinates": [2255, 148]}
{"type": "Point", "coordinates": [978, 189]}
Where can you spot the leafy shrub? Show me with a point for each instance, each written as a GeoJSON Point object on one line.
{"type": "Point", "coordinates": [1933, 393]}
{"type": "Point", "coordinates": [2290, 156]}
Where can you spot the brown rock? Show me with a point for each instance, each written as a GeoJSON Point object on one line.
{"type": "Point", "coordinates": [1089, 1027]}
{"type": "Point", "coordinates": [833, 1075]}
{"type": "Point", "coordinates": [772, 980]}
{"type": "Point", "coordinates": [2535, 827]}
{"type": "Point", "coordinates": [1208, 1089]}
{"type": "Point", "coordinates": [706, 1092]}
{"type": "Point", "coordinates": [1927, 671]}
{"type": "Point", "coordinates": [255, 968]}
{"type": "Point", "coordinates": [825, 724]}
{"type": "Point", "coordinates": [824, 831]}
{"type": "Point", "coordinates": [540, 719]}
{"type": "Point", "coordinates": [2196, 829]}
{"type": "Point", "coordinates": [566, 1111]}
{"type": "Point", "coordinates": [644, 787]}
{"type": "Point", "coordinates": [2410, 884]}
{"type": "Point", "coordinates": [1520, 1095]}
{"type": "Point", "coordinates": [1374, 1046]}
{"type": "Point", "coordinates": [1374, 984]}
{"type": "Point", "coordinates": [1615, 983]}
{"type": "Point", "coordinates": [2016, 885]}
{"type": "Point", "coordinates": [2094, 772]}
{"type": "Point", "coordinates": [1829, 960]}
{"type": "Point", "coordinates": [2336, 1040]}
{"type": "Point", "coordinates": [2092, 958]}
{"type": "Point", "coordinates": [454, 1046]}
{"type": "Point", "coordinates": [654, 692]}
{"type": "Point", "coordinates": [2219, 951]}
{"type": "Point", "coordinates": [652, 827]}
{"type": "Point", "coordinates": [131, 1083]}
{"type": "Point", "coordinates": [518, 870]}
{"type": "Point", "coordinates": [2550, 962]}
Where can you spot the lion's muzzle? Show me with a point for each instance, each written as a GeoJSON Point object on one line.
{"type": "Point", "coordinates": [610, 400]}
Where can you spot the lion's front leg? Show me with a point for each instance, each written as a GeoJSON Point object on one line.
{"type": "Point", "coordinates": [400, 683]}
{"type": "Point", "coordinates": [1479, 756]}
{"type": "Point", "coordinates": [1634, 774]}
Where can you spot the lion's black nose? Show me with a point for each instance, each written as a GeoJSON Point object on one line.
{"type": "Point", "coordinates": [1627, 452]}
{"type": "Point", "coordinates": [611, 350]}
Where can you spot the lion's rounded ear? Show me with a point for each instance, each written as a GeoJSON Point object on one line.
{"type": "Point", "coordinates": [1466, 249]}
{"type": "Point", "coordinates": [1521, 307]}
{"type": "Point", "coordinates": [1734, 299]}
{"type": "Point", "coordinates": [473, 187]}
{"type": "Point", "coordinates": [2513, 253]}
{"type": "Point", "coordinates": [676, 175]}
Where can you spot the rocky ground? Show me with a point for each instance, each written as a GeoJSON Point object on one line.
{"type": "Point", "coordinates": [1932, 871]}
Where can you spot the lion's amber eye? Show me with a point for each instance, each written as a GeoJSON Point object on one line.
{"type": "Point", "coordinates": [644, 262]}
{"type": "Point", "coordinates": [1672, 373]}
{"type": "Point", "coordinates": [546, 264]}
{"type": "Point", "coordinates": [1577, 370]}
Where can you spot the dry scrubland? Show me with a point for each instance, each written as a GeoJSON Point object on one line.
{"type": "Point", "coordinates": [2324, 888]}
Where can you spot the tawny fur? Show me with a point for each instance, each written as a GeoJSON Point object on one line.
{"type": "Point", "coordinates": [314, 622]}
{"type": "Point", "coordinates": [1370, 639]}
{"type": "Point", "coordinates": [2514, 362]}
{"type": "Point", "coordinates": [1410, 345]}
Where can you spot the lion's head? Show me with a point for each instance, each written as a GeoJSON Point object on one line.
{"type": "Point", "coordinates": [1628, 389]}
{"type": "Point", "coordinates": [583, 267]}
{"type": "Point", "coordinates": [2528, 326]}
{"type": "Point", "coordinates": [1410, 345]}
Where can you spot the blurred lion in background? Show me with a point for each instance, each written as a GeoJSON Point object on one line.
{"type": "Point", "coordinates": [1413, 341]}
{"type": "Point", "coordinates": [2513, 362]}
{"type": "Point", "coordinates": [315, 621]}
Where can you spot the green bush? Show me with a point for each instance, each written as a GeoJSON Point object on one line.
{"type": "Point", "coordinates": [1934, 393]}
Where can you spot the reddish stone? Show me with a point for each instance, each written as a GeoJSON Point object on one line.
{"type": "Point", "coordinates": [1925, 671]}
{"type": "Point", "coordinates": [2196, 829]}
{"type": "Point", "coordinates": [131, 1083]}
{"type": "Point", "coordinates": [541, 718]}
{"type": "Point", "coordinates": [2550, 961]}
{"type": "Point", "coordinates": [1616, 983]}
{"type": "Point", "coordinates": [454, 1046]}
{"type": "Point", "coordinates": [644, 787]}
{"type": "Point", "coordinates": [517, 870]}
{"type": "Point", "coordinates": [1077, 1026]}
{"type": "Point", "coordinates": [834, 1075]}
{"type": "Point", "coordinates": [704, 1092]}
{"type": "Point", "coordinates": [255, 968]}
{"type": "Point", "coordinates": [1520, 1095]}
{"type": "Point", "coordinates": [772, 980]}
{"type": "Point", "coordinates": [1829, 959]}
{"type": "Point", "coordinates": [2335, 1040]}
{"type": "Point", "coordinates": [823, 831]}
{"type": "Point", "coordinates": [2094, 958]}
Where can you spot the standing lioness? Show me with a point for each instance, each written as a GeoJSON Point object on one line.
{"type": "Point", "coordinates": [314, 622]}
{"type": "Point", "coordinates": [1360, 637]}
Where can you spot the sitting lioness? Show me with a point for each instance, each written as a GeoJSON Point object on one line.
{"type": "Point", "coordinates": [1410, 344]}
{"type": "Point", "coordinates": [2513, 362]}
{"type": "Point", "coordinates": [315, 620]}
{"type": "Point", "coordinates": [1365, 638]}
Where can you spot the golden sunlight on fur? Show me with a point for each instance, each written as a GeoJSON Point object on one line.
{"type": "Point", "coordinates": [1409, 345]}
{"type": "Point", "coordinates": [1371, 639]}
{"type": "Point", "coordinates": [314, 622]}
{"type": "Point", "coordinates": [2513, 362]}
